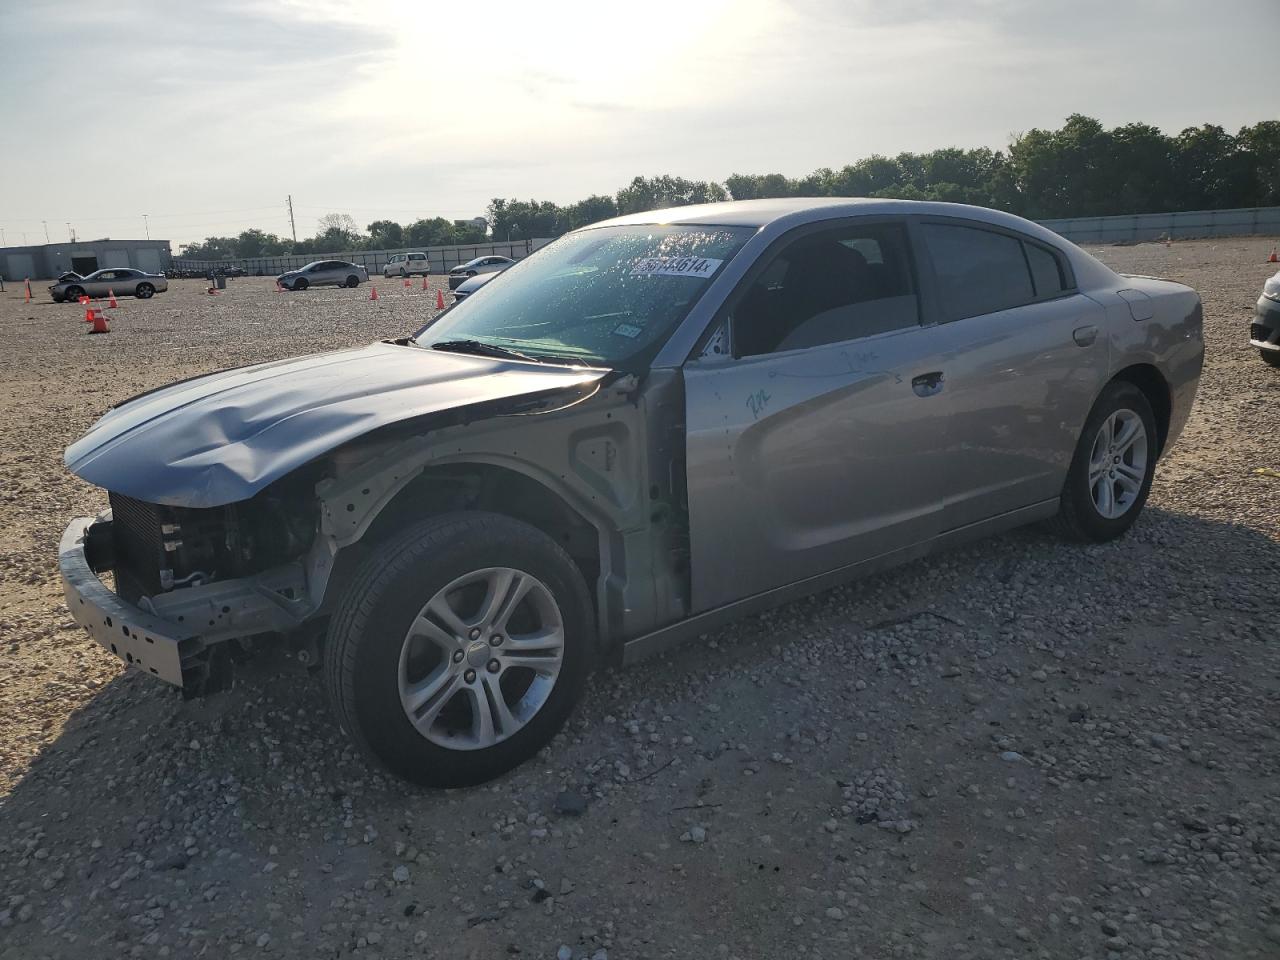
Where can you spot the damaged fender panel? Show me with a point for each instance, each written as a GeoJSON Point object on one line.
{"type": "Point", "coordinates": [221, 438]}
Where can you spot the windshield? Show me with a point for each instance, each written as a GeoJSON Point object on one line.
{"type": "Point", "coordinates": [609, 296]}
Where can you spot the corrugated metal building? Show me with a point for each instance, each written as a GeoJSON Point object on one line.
{"type": "Point", "coordinates": [47, 260]}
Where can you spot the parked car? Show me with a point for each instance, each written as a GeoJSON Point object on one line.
{"type": "Point", "coordinates": [1264, 332]}
{"type": "Point", "coordinates": [471, 285]}
{"type": "Point", "coordinates": [649, 427]}
{"type": "Point", "coordinates": [471, 268]}
{"type": "Point", "coordinates": [321, 273]}
{"type": "Point", "coordinates": [122, 281]}
{"type": "Point", "coordinates": [406, 264]}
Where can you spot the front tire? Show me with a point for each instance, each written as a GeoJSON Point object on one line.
{"type": "Point", "coordinates": [1111, 472]}
{"type": "Point", "coordinates": [72, 294]}
{"type": "Point", "coordinates": [459, 649]}
{"type": "Point", "coordinates": [1270, 357]}
{"type": "Point", "coordinates": [300, 284]}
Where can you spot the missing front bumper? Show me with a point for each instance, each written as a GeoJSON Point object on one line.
{"type": "Point", "coordinates": [140, 639]}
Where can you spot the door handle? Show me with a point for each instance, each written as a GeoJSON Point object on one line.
{"type": "Point", "coordinates": [1084, 336]}
{"type": "Point", "coordinates": [927, 384]}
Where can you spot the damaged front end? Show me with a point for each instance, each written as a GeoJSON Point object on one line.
{"type": "Point", "coordinates": [189, 579]}
{"type": "Point", "coordinates": [223, 529]}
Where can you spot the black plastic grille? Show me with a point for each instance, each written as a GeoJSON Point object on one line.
{"type": "Point", "coordinates": [139, 546]}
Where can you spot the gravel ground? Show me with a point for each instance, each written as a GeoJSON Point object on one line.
{"type": "Point", "coordinates": [1022, 749]}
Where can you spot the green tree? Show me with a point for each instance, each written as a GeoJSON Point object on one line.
{"type": "Point", "coordinates": [1261, 146]}
{"type": "Point", "coordinates": [591, 210]}
{"type": "Point", "coordinates": [655, 193]}
{"type": "Point", "coordinates": [385, 234]}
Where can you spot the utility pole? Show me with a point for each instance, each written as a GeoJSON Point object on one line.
{"type": "Point", "coordinates": [46, 230]}
{"type": "Point", "coordinates": [146, 224]}
{"type": "Point", "coordinates": [292, 228]}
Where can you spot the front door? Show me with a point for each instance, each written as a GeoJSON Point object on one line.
{"type": "Point", "coordinates": [815, 419]}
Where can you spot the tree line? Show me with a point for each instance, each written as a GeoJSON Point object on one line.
{"type": "Point", "coordinates": [1081, 169]}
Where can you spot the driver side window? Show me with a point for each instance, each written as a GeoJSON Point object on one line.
{"type": "Point", "coordinates": [828, 287]}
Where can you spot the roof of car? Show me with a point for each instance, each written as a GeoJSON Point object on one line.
{"type": "Point", "coordinates": [759, 213]}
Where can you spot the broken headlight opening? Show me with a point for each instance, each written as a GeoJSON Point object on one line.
{"type": "Point", "coordinates": [153, 548]}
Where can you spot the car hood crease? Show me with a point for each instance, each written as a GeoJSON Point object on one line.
{"type": "Point", "coordinates": [221, 438]}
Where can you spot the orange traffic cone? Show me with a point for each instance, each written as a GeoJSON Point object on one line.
{"type": "Point", "coordinates": [407, 283]}
{"type": "Point", "coordinates": [439, 299]}
{"type": "Point", "coordinates": [88, 314]}
{"type": "Point", "coordinates": [373, 292]}
{"type": "Point", "coordinates": [28, 283]}
{"type": "Point", "coordinates": [112, 301]}
{"type": "Point", "coordinates": [99, 323]}
{"type": "Point", "coordinates": [424, 281]}
{"type": "Point", "coordinates": [84, 301]}
{"type": "Point", "coordinates": [1273, 258]}
{"type": "Point", "coordinates": [279, 289]}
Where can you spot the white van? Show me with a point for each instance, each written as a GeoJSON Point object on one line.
{"type": "Point", "coordinates": [406, 264]}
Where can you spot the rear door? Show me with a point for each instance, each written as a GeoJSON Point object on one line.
{"type": "Point", "coordinates": [814, 426]}
{"type": "Point", "coordinates": [1026, 357]}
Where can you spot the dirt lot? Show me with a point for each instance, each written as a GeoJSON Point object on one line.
{"type": "Point", "coordinates": [1022, 749]}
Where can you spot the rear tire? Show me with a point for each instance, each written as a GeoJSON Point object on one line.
{"type": "Point", "coordinates": [353, 281]}
{"type": "Point", "coordinates": [390, 652]}
{"type": "Point", "coordinates": [1111, 472]}
{"type": "Point", "coordinates": [1270, 357]}
{"type": "Point", "coordinates": [145, 291]}
{"type": "Point", "coordinates": [300, 284]}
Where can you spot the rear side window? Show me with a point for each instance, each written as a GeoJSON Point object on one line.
{"type": "Point", "coordinates": [1046, 271]}
{"type": "Point", "coordinates": [978, 271]}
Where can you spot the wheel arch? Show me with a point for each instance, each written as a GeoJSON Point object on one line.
{"type": "Point", "coordinates": [1155, 388]}
{"type": "Point", "coordinates": [477, 485]}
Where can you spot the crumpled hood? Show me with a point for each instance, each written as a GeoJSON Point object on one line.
{"type": "Point", "coordinates": [221, 438]}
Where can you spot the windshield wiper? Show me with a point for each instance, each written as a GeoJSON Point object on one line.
{"type": "Point", "coordinates": [482, 348]}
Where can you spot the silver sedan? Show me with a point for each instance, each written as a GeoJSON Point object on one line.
{"type": "Point", "coordinates": [324, 273]}
{"type": "Point", "coordinates": [121, 281]}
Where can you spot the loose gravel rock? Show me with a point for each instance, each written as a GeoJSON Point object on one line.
{"type": "Point", "coordinates": [838, 766]}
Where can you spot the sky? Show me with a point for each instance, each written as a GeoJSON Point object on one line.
{"type": "Point", "coordinates": [204, 117]}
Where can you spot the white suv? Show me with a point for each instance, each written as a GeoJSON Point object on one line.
{"type": "Point", "coordinates": [405, 264]}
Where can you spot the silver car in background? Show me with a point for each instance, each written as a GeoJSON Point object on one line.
{"type": "Point", "coordinates": [489, 264]}
{"type": "Point", "coordinates": [647, 428]}
{"type": "Point", "coordinates": [324, 273]}
{"type": "Point", "coordinates": [121, 281]}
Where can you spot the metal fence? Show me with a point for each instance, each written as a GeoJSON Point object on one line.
{"type": "Point", "coordinates": [1185, 224]}
{"type": "Point", "coordinates": [440, 259]}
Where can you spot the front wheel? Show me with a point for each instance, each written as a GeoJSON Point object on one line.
{"type": "Point", "coordinates": [73, 293]}
{"type": "Point", "coordinates": [1111, 472]}
{"type": "Point", "coordinates": [1270, 357]}
{"type": "Point", "coordinates": [459, 649]}
{"type": "Point", "coordinates": [300, 284]}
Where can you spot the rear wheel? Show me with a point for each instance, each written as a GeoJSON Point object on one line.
{"type": "Point", "coordinates": [459, 649]}
{"type": "Point", "coordinates": [1111, 472]}
{"type": "Point", "coordinates": [353, 281]}
{"type": "Point", "coordinates": [1270, 357]}
{"type": "Point", "coordinates": [300, 284]}
{"type": "Point", "coordinates": [145, 291]}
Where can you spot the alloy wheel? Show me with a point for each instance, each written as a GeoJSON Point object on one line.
{"type": "Point", "coordinates": [1118, 464]}
{"type": "Point", "coordinates": [481, 658]}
